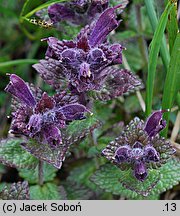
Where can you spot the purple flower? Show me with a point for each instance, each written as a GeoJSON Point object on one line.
{"type": "Point", "coordinates": [155, 123]}
{"type": "Point", "coordinates": [85, 64]}
{"type": "Point", "coordinates": [140, 147]}
{"type": "Point", "coordinates": [77, 11]}
{"type": "Point", "coordinates": [139, 156]}
{"type": "Point", "coordinates": [39, 116]}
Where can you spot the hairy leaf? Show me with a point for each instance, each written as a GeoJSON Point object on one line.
{"type": "Point", "coordinates": [75, 132]}
{"type": "Point", "coordinates": [77, 191]}
{"type": "Point", "coordinates": [48, 191]}
{"type": "Point", "coordinates": [49, 173]}
{"type": "Point", "coordinates": [112, 179]}
{"type": "Point", "coordinates": [15, 191]}
{"type": "Point", "coordinates": [13, 155]}
{"type": "Point", "coordinates": [81, 174]}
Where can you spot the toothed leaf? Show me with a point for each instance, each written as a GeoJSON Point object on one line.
{"type": "Point", "coordinates": [13, 155]}
{"type": "Point", "coordinates": [15, 191]}
{"type": "Point", "coordinates": [72, 134]}
{"type": "Point", "coordinates": [49, 173]}
{"type": "Point", "coordinates": [111, 179]}
{"type": "Point", "coordinates": [77, 191]}
{"type": "Point", "coordinates": [48, 191]}
{"type": "Point", "coordinates": [46, 153]}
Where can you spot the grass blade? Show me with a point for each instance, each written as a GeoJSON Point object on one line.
{"type": "Point", "coordinates": [42, 6]}
{"type": "Point", "coordinates": [17, 62]}
{"type": "Point", "coordinates": [153, 56]}
{"type": "Point", "coordinates": [172, 82]}
{"type": "Point", "coordinates": [154, 22]}
{"type": "Point", "coordinates": [172, 27]}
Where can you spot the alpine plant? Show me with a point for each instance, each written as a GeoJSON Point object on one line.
{"type": "Point", "coordinates": [140, 147]}
{"type": "Point", "coordinates": [85, 64]}
{"type": "Point", "coordinates": [39, 116]}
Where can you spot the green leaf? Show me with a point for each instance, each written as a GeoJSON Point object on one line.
{"type": "Point", "coordinates": [12, 154]}
{"type": "Point", "coordinates": [153, 56]}
{"type": "Point", "coordinates": [49, 173]}
{"type": "Point", "coordinates": [82, 173]}
{"type": "Point", "coordinates": [80, 126]}
{"type": "Point", "coordinates": [178, 99]}
{"type": "Point", "coordinates": [110, 178]}
{"type": "Point", "coordinates": [172, 81]}
{"type": "Point", "coordinates": [48, 191]}
{"type": "Point", "coordinates": [42, 6]}
{"type": "Point", "coordinates": [2, 169]}
{"type": "Point", "coordinates": [131, 104]}
{"type": "Point", "coordinates": [172, 27]}
{"type": "Point", "coordinates": [154, 23]}
{"type": "Point", "coordinates": [77, 191]}
{"type": "Point", "coordinates": [15, 191]}
{"type": "Point", "coordinates": [103, 111]}
{"type": "Point", "coordinates": [170, 176]}
{"type": "Point", "coordinates": [17, 62]}
{"type": "Point", "coordinates": [125, 35]}
{"type": "Point", "coordinates": [74, 133]}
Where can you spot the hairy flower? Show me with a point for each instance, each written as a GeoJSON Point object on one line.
{"type": "Point", "coordinates": [77, 11]}
{"type": "Point", "coordinates": [140, 147]}
{"type": "Point", "coordinates": [85, 63]}
{"type": "Point", "coordinates": [40, 116]}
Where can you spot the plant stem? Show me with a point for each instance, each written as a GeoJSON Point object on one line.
{"type": "Point", "coordinates": [40, 173]}
{"type": "Point", "coordinates": [94, 142]}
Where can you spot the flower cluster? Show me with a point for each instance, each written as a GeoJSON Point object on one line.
{"type": "Point", "coordinates": [86, 66]}
{"type": "Point", "coordinates": [77, 11]}
{"type": "Point", "coordinates": [85, 63]}
{"type": "Point", "coordinates": [140, 147]}
{"type": "Point", "coordinates": [40, 116]}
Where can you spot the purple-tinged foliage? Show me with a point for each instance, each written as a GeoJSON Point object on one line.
{"type": "Point", "coordinates": [77, 11]}
{"type": "Point", "coordinates": [56, 156]}
{"type": "Point", "coordinates": [16, 191]}
{"type": "Point", "coordinates": [140, 147]}
{"type": "Point", "coordinates": [42, 118]}
{"type": "Point", "coordinates": [85, 64]}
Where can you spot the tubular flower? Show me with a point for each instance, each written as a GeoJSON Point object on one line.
{"type": "Point", "coordinates": [40, 116]}
{"type": "Point", "coordinates": [140, 147]}
{"type": "Point", "coordinates": [85, 64]}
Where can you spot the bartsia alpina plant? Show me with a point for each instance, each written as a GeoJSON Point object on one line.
{"type": "Point", "coordinates": [39, 116]}
{"type": "Point", "coordinates": [85, 64]}
{"type": "Point", "coordinates": [140, 147]}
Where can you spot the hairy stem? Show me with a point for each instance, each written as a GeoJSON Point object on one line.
{"type": "Point", "coordinates": [40, 173]}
